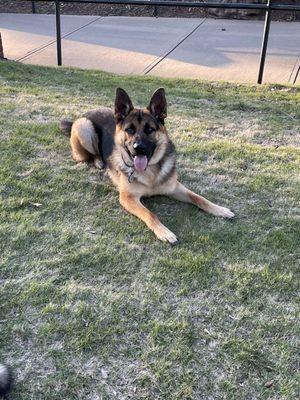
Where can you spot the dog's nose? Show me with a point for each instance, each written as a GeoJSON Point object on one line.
{"type": "Point", "coordinates": [139, 147]}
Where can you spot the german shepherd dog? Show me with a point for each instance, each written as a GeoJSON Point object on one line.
{"type": "Point", "coordinates": [133, 145]}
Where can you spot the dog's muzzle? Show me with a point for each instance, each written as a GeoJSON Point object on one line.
{"type": "Point", "coordinates": [140, 159]}
{"type": "Point", "coordinates": [140, 149]}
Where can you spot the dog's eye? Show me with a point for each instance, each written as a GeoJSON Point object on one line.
{"type": "Point", "coordinates": [149, 130]}
{"type": "Point", "coordinates": [130, 131]}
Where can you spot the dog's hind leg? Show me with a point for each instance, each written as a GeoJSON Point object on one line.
{"type": "Point", "coordinates": [85, 142]}
{"type": "Point", "coordinates": [181, 193]}
{"type": "Point", "coordinates": [133, 205]}
{"type": "Point", "coordinates": [79, 153]}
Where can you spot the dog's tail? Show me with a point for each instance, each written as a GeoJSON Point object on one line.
{"type": "Point", "coordinates": [65, 126]}
{"type": "Point", "coordinates": [5, 379]}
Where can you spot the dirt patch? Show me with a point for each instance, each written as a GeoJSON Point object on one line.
{"type": "Point", "coordinates": [8, 6]}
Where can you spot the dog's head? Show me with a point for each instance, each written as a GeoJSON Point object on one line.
{"type": "Point", "coordinates": [141, 131]}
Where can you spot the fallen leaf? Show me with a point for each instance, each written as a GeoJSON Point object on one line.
{"type": "Point", "coordinates": [36, 204]}
{"type": "Point", "coordinates": [104, 373]}
{"type": "Point", "coordinates": [26, 173]}
{"type": "Point", "coordinates": [269, 384]}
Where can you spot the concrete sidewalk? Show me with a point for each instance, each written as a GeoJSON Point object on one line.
{"type": "Point", "coordinates": [170, 47]}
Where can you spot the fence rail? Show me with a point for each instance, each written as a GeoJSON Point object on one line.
{"type": "Point", "coordinates": [268, 7]}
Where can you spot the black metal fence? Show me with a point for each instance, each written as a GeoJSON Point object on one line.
{"type": "Point", "coordinates": [268, 7]}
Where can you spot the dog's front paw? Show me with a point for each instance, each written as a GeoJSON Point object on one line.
{"type": "Point", "coordinates": [223, 212]}
{"type": "Point", "coordinates": [165, 235]}
{"type": "Point", "coordinates": [98, 163]}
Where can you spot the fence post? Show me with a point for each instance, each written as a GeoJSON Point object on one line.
{"type": "Point", "coordinates": [58, 32]}
{"type": "Point", "coordinates": [33, 7]}
{"type": "Point", "coordinates": [1, 48]}
{"type": "Point", "coordinates": [296, 76]}
{"type": "Point", "coordinates": [264, 43]}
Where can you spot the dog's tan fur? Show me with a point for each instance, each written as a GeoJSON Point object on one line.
{"type": "Point", "coordinates": [84, 142]}
{"type": "Point", "coordinates": [159, 178]}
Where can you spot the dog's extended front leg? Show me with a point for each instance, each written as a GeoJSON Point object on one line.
{"type": "Point", "coordinates": [134, 206]}
{"type": "Point", "coordinates": [183, 194]}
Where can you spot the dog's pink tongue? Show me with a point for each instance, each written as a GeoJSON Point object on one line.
{"type": "Point", "coordinates": [140, 163]}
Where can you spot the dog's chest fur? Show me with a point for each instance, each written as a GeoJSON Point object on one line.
{"type": "Point", "coordinates": [155, 179]}
{"type": "Point", "coordinates": [157, 174]}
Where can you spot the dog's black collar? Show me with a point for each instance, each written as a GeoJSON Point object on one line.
{"type": "Point", "coordinates": [130, 156]}
{"type": "Point", "coordinates": [130, 176]}
{"type": "Point", "coordinates": [127, 165]}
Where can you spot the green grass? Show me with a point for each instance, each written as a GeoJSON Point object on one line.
{"type": "Point", "coordinates": [92, 306]}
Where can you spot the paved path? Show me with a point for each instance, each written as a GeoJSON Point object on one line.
{"type": "Point", "coordinates": [170, 47]}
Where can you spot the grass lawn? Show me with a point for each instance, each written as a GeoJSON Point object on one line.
{"type": "Point", "coordinates": [92, 305]}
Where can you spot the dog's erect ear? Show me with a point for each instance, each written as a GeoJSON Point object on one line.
{"type": "Point", "coordinates": [158, 105]}
{"type": "Point", "coordinates": [123, 105]}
